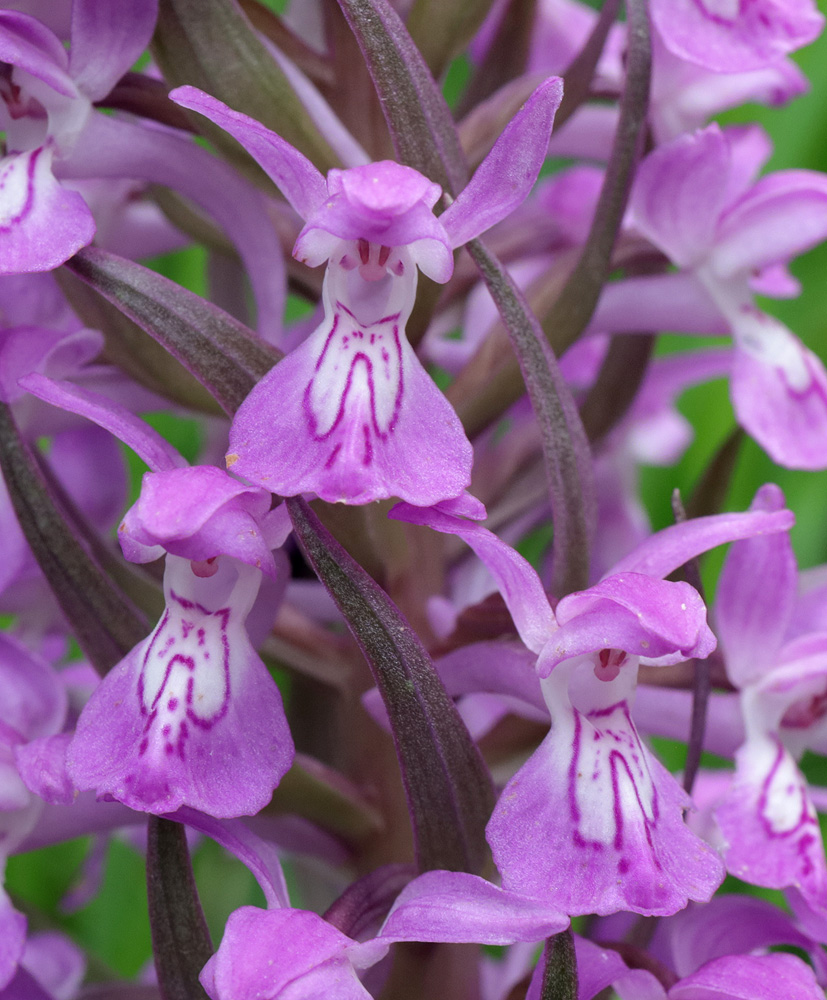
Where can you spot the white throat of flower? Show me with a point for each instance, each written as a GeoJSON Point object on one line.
{"type": "Point", "coordinates": [756, 332]}
{"type": "Point", "coordinates": [186, 670]}
{"type": "Point", "coordinates": [610, 786]}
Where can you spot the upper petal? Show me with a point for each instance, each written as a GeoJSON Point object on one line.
{"type": "Point", "coordinates": [292, 173]}
{"type": "Point", "coordinates": [635, 613]}
{"type": "Point", "coordinates": [107, 38]}
{"type": "Point", "coordinates": [755, 596]}
{"type": "Point", "coordinates": [678, 196]}
{"type": "Point", "coordinates": [663, 552]}
{"type": "Point", "coordinates": [383, 203]}
{"type": "Point", "coordinates": [504, 178]}
{"type": "Point", "coordinates": [27, 43]}
{"type": "Point", "coordinates": [197, 513]}
{"type": "Point", "coordinates": [517, 580]}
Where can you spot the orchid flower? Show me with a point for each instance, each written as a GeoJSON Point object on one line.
{"type": "Point", "coordinates": [593, 821]}
{"type": "Point", "coordinates": [55, 134]}
{"type": "Point", "coordinates": [732, 977]}
{"type": "Point", "coordinates": [33, 704]}
{"type": "Point", "coordinates": [350, 414]}
{"type": "Point", "coordinates": [47, 96]}
{"type": "Point", "coordinates": [315, 958]}
{"type": "Point", "coordinates": [190, 716]}
{"type": "Point", "coordinates": [686, 95]}
{"type": "Point", "coordinates": [38, 333]}
{"type": "Point", "coordinates": [282, 953]}
{"type": "Point", "coordinates": [694, 198]}
{"type": "Point", "coordinates": [715, 950]}
{"type": "Point", "coordinates": [767, 817]}
{"type": "Point", "coordinates": [732, 36]}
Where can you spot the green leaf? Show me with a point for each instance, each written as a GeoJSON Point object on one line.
{"type": "Point", "coordinates": [441, 29]}
{"type": "Point", "coordinates": [213, 46]}
{"type": "Point", "coordinates": [105, 621]}
{"type": "Point", "coordinates": [222, 354]}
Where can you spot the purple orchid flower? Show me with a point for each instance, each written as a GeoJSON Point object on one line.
{"type": "Point", "coordinates": [190, 716]}
{"type": "Point", "coordinates": [686, 95]}
{"type": "Point", "coordinates": [38, 333]}
{"type": "Point", "coordinates": [281, 953]}
{"type": "Point", "coordinates": [767, 817]}
{"type": "Point", "coordinates": [47, 96]}
{"type": "Point", "coordinates": [731, 36]}
{"type": "Point", "coordinates": [750, 977]}
{"type": "Point", "coordinates": [350, 414]}
{"type": "Point", "coordinates": [55, 963]}
{"type": "Point", "coordinates": [266, 952]}
{"type": "Point", "coordinates": [714, 951]}
{"type": "Point", "coordinates": [593, 821]}
{"type": "Point", "coordinates": [724, 232]}
{"type": "Point", "coordinates": [732, 977]}
{"type": "Point", "coordinates": [53, 134]}
{"type": "Point", "coordinates": [730, 924]}
{"type": "Point", "coordinates": [32, 705]}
